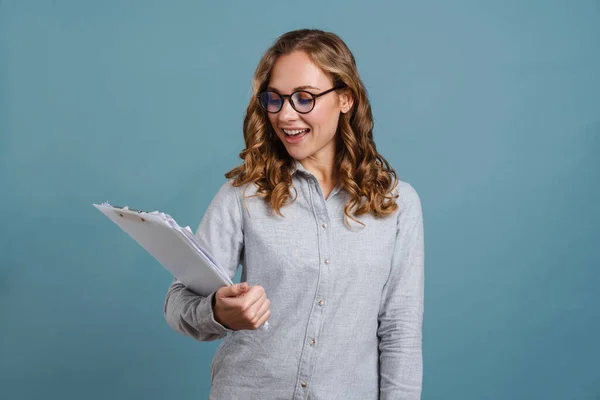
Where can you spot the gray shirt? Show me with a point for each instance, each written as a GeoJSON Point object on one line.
{"type": "Point", "coordinates": [346, 302]}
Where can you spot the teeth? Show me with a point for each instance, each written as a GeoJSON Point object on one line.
{"type": "Point", "coordinates": [294, 132]}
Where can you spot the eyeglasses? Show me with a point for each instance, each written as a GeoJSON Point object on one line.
{"type": "Point", "coordinates": [301, 100]}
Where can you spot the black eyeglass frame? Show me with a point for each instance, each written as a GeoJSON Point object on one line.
{"type": "Point", "coordinates": [289, 97]}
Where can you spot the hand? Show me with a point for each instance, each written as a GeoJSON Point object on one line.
{"type": "Point", "coordinates": [241, 306]}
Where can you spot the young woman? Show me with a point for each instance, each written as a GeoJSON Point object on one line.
{"type": "Point", "coordinates": [330, 241]}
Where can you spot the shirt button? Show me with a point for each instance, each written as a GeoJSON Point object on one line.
{"type": "Point", "coordinates": [326, 261]}
{"type": "Point", "coordinates": [321, 302]}
{"type": "Point", "coordinates": [313, 341]}
{"type": "Point", "coordinates": [324, 226]}
{"type": "Point", "coordinates": [303, 384]}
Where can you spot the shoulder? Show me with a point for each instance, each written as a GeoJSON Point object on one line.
{"type": "Point", "coordinates": [229, 197]}
{"type": "Point", "coordinates": [228, 189]}
{"type": "Point", "coordinates": [226, 198]}
{"type": "Point", "coordinates": [407, 194]}
{"type": "Point", "coordinates": [227, 192]}
{"type": "Point", "coordinates": [408, 200]}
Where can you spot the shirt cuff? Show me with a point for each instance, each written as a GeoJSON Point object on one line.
{"type": "Point", "coordinates": [206, 317]}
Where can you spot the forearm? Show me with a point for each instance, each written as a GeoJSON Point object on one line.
{"type": "Point", "coordinates": [191, 314]}
{"type": "Point", "coordinates": [401, 362]}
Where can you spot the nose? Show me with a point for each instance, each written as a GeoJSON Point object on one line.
{"type": "Point", "coordinates": [287, 112]}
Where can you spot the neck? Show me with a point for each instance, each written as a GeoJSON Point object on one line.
{"type": "Point", "coordinates": [323, 171]}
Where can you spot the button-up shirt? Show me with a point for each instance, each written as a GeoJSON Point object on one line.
{"type": "Point", "coordinates": [346, 300]}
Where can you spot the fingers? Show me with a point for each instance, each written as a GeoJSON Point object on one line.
{"type": "Point", "coordinates": [248, 310]}
{"type": "Point", "coordinates": [257, 312]}
{"type": "Point", "coordinates": [233, 290]}
{"type": "Point", "coordinates": [253, 295]}
{"type": "Point", "coordinates": [246, 300]}
{"type": "Point", "coordinates": [252, 302]}
{"type": "Point", "coordinates": [263, 319]}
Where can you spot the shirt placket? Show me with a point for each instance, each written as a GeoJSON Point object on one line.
{"type": "Point", "coordinates": [315, 320]}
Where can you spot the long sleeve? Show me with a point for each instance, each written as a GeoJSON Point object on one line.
{"type": "Point", "coordinates": [221, 233]}
{"type": "Point", "coordinates": [401, 310]}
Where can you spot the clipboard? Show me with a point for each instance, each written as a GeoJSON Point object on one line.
{"type": "Point", "coordinates": [174, 247]}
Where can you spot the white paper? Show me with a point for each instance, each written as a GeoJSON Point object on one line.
{"type": "Point", "coordinates": [174, 247]}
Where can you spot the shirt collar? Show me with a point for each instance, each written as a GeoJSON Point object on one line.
{"type": "Point", "coordinates": [298, 167]}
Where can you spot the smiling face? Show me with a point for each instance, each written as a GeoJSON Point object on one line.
{"type": "Point", "coordinates": [292, 72]}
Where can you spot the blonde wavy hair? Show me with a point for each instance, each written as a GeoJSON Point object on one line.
{"type": "Point", "coordinates": [362, 171]}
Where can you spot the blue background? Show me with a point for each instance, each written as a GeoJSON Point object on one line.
{"type": "Point", "coordinates": [490, 110]}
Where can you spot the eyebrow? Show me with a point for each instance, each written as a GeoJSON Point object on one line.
{"type": "Point", "coordinates": [296, 88]}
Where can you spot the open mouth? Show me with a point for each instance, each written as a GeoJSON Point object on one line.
{"type": "Point", "coordinates": [295, 132]}
{"type": "Point", "coordinates": [295, 135]}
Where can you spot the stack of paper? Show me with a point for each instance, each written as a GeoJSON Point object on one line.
{"type": "Point", "coordinates": [176, 248]}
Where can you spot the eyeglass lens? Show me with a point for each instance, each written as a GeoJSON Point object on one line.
{"type": "Point", "coordinates": [301, 101]}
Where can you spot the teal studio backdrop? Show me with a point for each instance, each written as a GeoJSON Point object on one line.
{"type": "Point", "coordinates": [489, 109]}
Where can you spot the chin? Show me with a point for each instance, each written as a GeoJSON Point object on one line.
{"type": "Point", "coordinates": [294, 154]}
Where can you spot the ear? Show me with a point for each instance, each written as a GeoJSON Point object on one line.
{"type": "Point", "coordinates": [346, 101]}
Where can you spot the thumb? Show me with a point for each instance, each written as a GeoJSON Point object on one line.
{"type": "Point", "coordinates": [234, 290]}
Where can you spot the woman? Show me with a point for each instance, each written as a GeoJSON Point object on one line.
{"type": "Point", "coordinates": [330, 241]}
